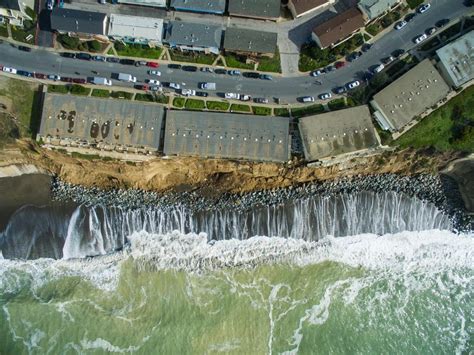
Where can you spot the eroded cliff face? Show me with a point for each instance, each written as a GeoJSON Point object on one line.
{"type": "Point", "coordinates": [214, 175]}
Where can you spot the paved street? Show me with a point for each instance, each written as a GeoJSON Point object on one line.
{"type": "Point", "coordinates": [286, 88]}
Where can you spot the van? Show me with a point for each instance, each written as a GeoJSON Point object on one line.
{"type": "Point", "coordinates": [127, 77]}
{"type": "Point", "coordinates": [207, 86]}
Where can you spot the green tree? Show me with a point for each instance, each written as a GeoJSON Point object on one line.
{"type": "Point", "coordinates": [94, 46]}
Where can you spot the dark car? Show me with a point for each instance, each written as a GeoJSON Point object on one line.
{"type": "Point", "coordinates": [266, 77]}
{"type": "Point", "coordinates": [142, 87]}
{"type": "Point", "coordinates": [98, 58]}
{"type": "Point", "coordinates": [366, 47]}
{"type": "Point", "coordinates": [65, 79]}
{"type": "Point", "coordinates": [340, 65]}
{"type": "Point", "coordinates": [79, 81]}
{"type": "Point", "coordinates": [127, 61]}
{"type": "Point", "coordinates": [388, 60]}
{"type": "Point", "coordinates": [25, 73]}
{"type": "Point", "coordinates": [250, 74]}
{"type": "Point", "coordinates": [140, 63]}
{"type": "Point", "coordinates": [202, 94]}
{"type": "Point", "coordinates": [191, 68]}
{"type": "Point", "coordinates": [174, 66]}
{"type": "Point", "coordinates": [83, 56]}
{"type": "Point", "coordinates": [68, 55]}
{"type": "Point", "coordinates": [410, 17]}
{"type": "Point", "coordinates": [40, 76]}
{"type": "Point", "coordinates": [329, 69]}
{"type": "Point", "coordinates": [442, 23]}
{"type": "Point", "coordinates": [397, 53]}
{"type": "Point", "coordinates": [112, 60]}
{"type": "Point", "coordinates": [24, 48]}
{"type": "Point", "coordinates": [353, 56]}
{"type": "Point", "coordinates": [339, 90]}
{"type": "Point", "coordinates": [220, 71]}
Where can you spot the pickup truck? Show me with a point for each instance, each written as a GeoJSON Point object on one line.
{"type": "Point", "coordinates": [232, 95]}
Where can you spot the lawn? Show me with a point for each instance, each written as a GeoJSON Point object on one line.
{"type": "Point", "coordinates": [162, 99]}
{"type": "Point", "coordinates": [240, 107]}
{"type": "Point", "coordinates": [178, 102]}
{"type": "Point", "coordinates": [20, 34]}
{"type": "Point", "coordinates": [414, 3]}
{"type": "Point", "coordinates": [190, 57]}
{"type": "Point", "coordinates": [217, 105]}
{"type": "Point", "coordinates": [58, 89]}
{"type": "Point", "coordinates": [451, 127]}
{"type": "Point", "coordinates": [337, 104]}
{"type": "Point", "coordinates": [3, 31]}
{"type": "Point", "coordinates": [284, 112]}
{"type": "Point", "coordinates": [144, 97]}
{"type": "Point", "coordinates": [100, 93]}
{"type": "Point", "coordinates": [121, 95]}
{"type": "Point", "coordinates": [307, 110]}
{"type": "Point", "coordinates": [137, 50]}
{"type": "Point", "coordinates": [195, 104]}
{"type": "Point", "coordinates": [262, 111]}
{"type": "Point", "coordinates": [235, 61]}
{"type": "Point", "coordinates": [270, 64]}
{"type": "Point", "coordinates": [79, 90]}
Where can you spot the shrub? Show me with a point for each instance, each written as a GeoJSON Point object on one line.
{"type": "Point", "coordinates": [240, 107]}
{"type": "Point", "coordinates": [79, 90]}
{"type": "Point", "coordinates": [100, 93]}
{"type": "Point", "coordinates": [94, 46]}
{"type": "Point", "coordinates": [261, 111]}
{"type": "Point", "coordinates": [194, 104]}
{"type": "Point", "coordinates": [178, 102]}
{"type": "Point", "coordinates": [217, 105]}
{"type": "Point", "coordinates": [281, 112]}
{"type": "Point", "coordinates": [68, 42]}
{"type": "Point", "coordinates": [60, 89]}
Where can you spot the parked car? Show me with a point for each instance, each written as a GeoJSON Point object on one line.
{"type": "Point", "coordinates": [202, 94]}
{"type": "Point", "coordinates": [140, 63]}
{"type": "Point", "coordinates": [430, 31]}
{"type": "Point", "coordinates": [366, 47]}
{"type": "Point", "coordinates": [388, 60]}
{"type": "Point", "coordinates": [152, 81]}
{"type": "Point", "coordinates": [378, 68]}
{"type": "Point", "coordinates": [423, 8]}
{"type": "Point", "coordinates": [190, 68]}
{"type": "Point", "coordinates": [79, 80]}
{"type": "Point", "coordinates": [68, 55]}
{"type": "Point", "coordinates": [188, 92]}
{"type": "Point", "coordinates": [127, 61]}
{"type": "Point", "coordinates": [112, 60]}
{"type": "Point", "coordinates": [420, 38]}
{"type": "Point", "coordinates": [410, 17]}
{"type": "Point", "coordinates": [354, 55]}
{"type": "Point", "coordinates": [400, 24]}
{"type": "Point", "coordinates": [325, 96]}
{"type": "Point", "coordinates": [260, 100]}
{"type": "Point", "coordinates": [245, 98]}
{"type": "Point", "coordinates": [66, 79]}
{"type": "Point", "coordinates": [266, 77]}
{"type": "Point", "coordinates": [397, 53]}
{"type": "Point", "coordinates": [231, 95]}
{"type": "Point", "coordinates": [306, 99]}
{"type": "Point", "coordinates": [207, 70]}
{"type": "Point", "coordinates": [152, 64]}
{"type": "Point", "coordinates": [339, 90]}
{"type": "Point", "coordinates": [49, 5]}
{"type": "Point", "coordinates": [9, 70]}
{"type": "Point", "coordinates": [156, 88]}
{"type": "Point", "coordinates": [316, 73]}
{"type": "Point", "coordinates": [40, 76]}
{"type": "Point", "coordinates": [99, 58]}
{"type": "Point", "coordinates": [54, 77]}
{"type": "Point", "coordinates": [24, 48]}
{"type": "Point", "coordinates": [144, 87]}
{"type": "Point", "coordinates": [442, 23]}
{"type": "Point", "coordinates": [339, 65]}
{"type": "Point", "coordinates": [174, 66]}
{"type": "Point", "coordinates": [83, 56]}
{"type": "Point", "coordinates": [174, 86]}
{"type": "Point", "coordinates": [234, 72]}
{"type": "Point", "coordinates": [207, 86]}
{"type": "Point", "coordinates": [250, 74]}
{"type": "Point", "coordinates": [220, 71]}
{"type": "Point", "coordinates": [24, 73]}
{"type": "Point", "coordinates": [154, 72]}
{"type": "Point", "coordinates": [329, 68]}
{"type": "Point", "coordinates": [353, 84]}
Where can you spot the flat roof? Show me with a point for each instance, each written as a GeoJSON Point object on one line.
{"type": "Point", "coordinates": [457, 58]}
{"type": "Point", "coordinates": [410, 95]}
{"type": "Point", "coordinates": [337, 132]}
{"type": "Point", "coordinates": [78, 21]}
{"type": "Point", "coordinates": [255, 8]}
{"type": "Point", "coordinates": [194, 34]}
{"type": "Point", "coordinates": [136, 27]}
{"type": "Point", "coordinates": [152, 3]}
{"type": "Point", "coordinates": [117, 122]}
{"type": "Point", "coordinates": [214, 6]}
{"type": "Point", "coordinates": [227, 135]}
{"type": "Point", "coordinates": [240, 39]}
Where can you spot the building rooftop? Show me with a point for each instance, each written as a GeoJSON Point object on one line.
{"type": "Point", "coordinates": [227, 135]}
{"type": "Point", "coordinates": [94, 120]}
{"type": "Point", "coordinates": [210, 6]}
{"type": "Point", "coordinates": [410, 95]}
{"type": "Point", "coordinates": [302, 6]}
{"type": "Point", "coordinates": [457, 58]}
{"type": "Point", "coordinates": [136, 27]}
{"type": "Point", "coordinates": [78, 21]}
{"type": "Point", "coordinates": [375, 8]}
{"type": "Point", "coordinates": [255, 8]}
{"type": "Point", "coordinates": [239, 39]}
{"type": "Point", "coordinates": [10, 4]}
{"type": "Point", "coordinates": [339, 27]}
{"type": "Point", "coordinates": [337, 132]}
{"type": "Point", "coordinates": [193, 34]}
{"type": "Point", "coordinates": [152, 3]}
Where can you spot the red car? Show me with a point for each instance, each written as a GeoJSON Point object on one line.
{"type": "Point", "coordinates": [67, 80]}
{"type": "Point", "coordinates": [142, 87]}
{"type": "Point", "coordinates": [152, 64]}
{"type": "Point", "coordinates": [79, 81]}
{"type": "Point", "coordinates": [340, 65]}
{"type": "Point", "coordinates": [40, 76]}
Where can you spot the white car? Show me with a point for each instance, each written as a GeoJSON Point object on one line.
{"type": "Point", "coordinates": [325, 96]}
{"type": "Point", "coordinates": [232, 95]}
{"type": "Point", "coordinates": [154, 72]}
{"type": "Point", "coordinates": [9, 70]}
{"type": "Point", "coordinates": [174, 86]}
{"type": "Point", "coordinates": [245, 98]}
{"type": "Point", "coordinates": [400, 25]}
{"type": "Point", "coordinates": [423, 8]}
{"type": "Point", "coordinates": [307, 99]}
{"type": "Point", "coordinates": [378, 68]}
{"type": "Point", "coordinates": [420, 38]}
{"type": "Point", "coordinates": [54, 77]}
{"type": "Point", "coordinates": [353, 84]}
{"type": "Point", "coordinates": [188, 92]}
{"type": "Point", "coordinates": [152, 81]}
{"type": "Point", "coordinates": [316, 73]}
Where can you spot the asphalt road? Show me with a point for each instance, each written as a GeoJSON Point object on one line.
{"type": "Point", "coordinates": [287, 89]}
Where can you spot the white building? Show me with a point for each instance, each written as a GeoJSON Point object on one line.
{"type": "Point", "coordinates": [136, 29]}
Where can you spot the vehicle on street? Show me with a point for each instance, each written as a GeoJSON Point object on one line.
{"type": "Point", "coordinates": [245, 97]}
{"type": "Point", "coordinates": [188, 92]}
{"type": "Point", "coordinates": [339, 90]}
{"type": "Point", "coordinates": [152, 64]}
{"type": "Point", "coordinates": [156, 88]}
{"type": "Point", "coordinates": [388, 60]}
{"type": "Point", "coordinates": [40, 76]}
{"type": "Point", "coordinates": [202, 94]}
{"type": "Point", "coordinates": [329, 68]}
{"type": "Point", "coordinates": [234, 72]}
{"type": "Point", "coordinates": [127, 77]}
{"type": "Point", "coordinates": [220, 71]}
{"type": "Point", "coordinates": [152, 81]}
{"type": "Point", "coordinates": [397, 53]}
{"type": "Point", "coordinates": [24, 48]}
{"type": "Point", "coordinates": [49, 5]}
{"type": "Point", "coordinates": [366, 47]}
{"type": "Point", "coordinates": [353, 84]}
{"type": "Point", "coordinates": [190, 68]}
{"type": "Point", "coordinates": [127, 61]}
{"type": "Point", "coordinates": [83, 56]}
{"type": "Point", "coordinates": [98, 58]}
{"type": "Point", "coordinates": [316, 73]}
{"type": "Point", "coordinates": [68, 55]}
{"type": "Point", "coordinates": [423, 8]}
{"type": "Point", "coordinates": [112, 60]}
{"type": "Point", "coordinates": [410, 17]}
{"type": "Point", "coordinates": [54, 77]}
{"type": "Point", "coordinates": [400, 25]}
{"type": "Point", "coordinates": [175, 86]}
{"type": "Point", "coordinates": [154, 72]}
{"type": "Point", "coordinates": [9, 70]}
{"type": "Point", "coordinates": [266, 77]}
{"type": "Point", "coordinates": [174, 66]}
{"type": "Point", "coordinates": [442, 23]}
{"type": "Point", "coordinates": [430, 31]}
{"type": "Point", "coordinates": [306, 99]}
{"type": "Point", "coordinates": [339, 65]}
{"type": "Point", "coordinates": [207, 70]}
{"type": "Point", "coordinates": [260, 100]}
{"type": "Point", "coordinates": [251, 74]}
{"type": "Point", "coordinates": [66, 79]}
{"type": "Point", "coordinates": [144, 87]}
{"type": "Point", "coordinates": [139, 63]}
{"type": "Point", "coordinates": [24, 73]}
{"type": "Point", "coordinates": [325, 96]}
{"type": "Point", "coordinates": [207, 86]}
{"type": "Point", "coordinates": [420, 38]}
{"type": "Point", "coordinates": [378, 68]}
{"type": "Point", "coordinates": [232, 95]}
{"type": "Point", "coordinates": [354, 56]}
{"type": "Point", "coordinates": [79, 80]}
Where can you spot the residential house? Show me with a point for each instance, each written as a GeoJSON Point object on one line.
{"type": "Point", "coordinates": [259, 9]}
{"type": "Point", "coordinates": [193, 36]}
{"type": "Point", "coordinates": [136, 29]}
{"type": "Point", "coordinates": [150, 3]}
{"type": "Point", "coordinates": [78, 22]}
{"type": "Point", "coordinates": [300, 8]}
{"type": "Point", "coordinates": [250, 42]}
{"type": "Point", "coordinates": [373, 9]}
{"type": "Point", "coordinates": [14, 11]}
{"type": "Point", "coordinates": [201, 6]}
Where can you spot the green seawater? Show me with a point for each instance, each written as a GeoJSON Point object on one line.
{"type": "Point", "coordinates": [326, 307]}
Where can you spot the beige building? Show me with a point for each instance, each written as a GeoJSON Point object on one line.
{"type": "Point", "coordinates": [14, 11]}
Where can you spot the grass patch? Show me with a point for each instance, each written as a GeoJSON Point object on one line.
{"type": "Point", "coordinates": [79, 90]}
{"type": "Point", "coordinates": [179, 102]}
{"type": "Point", "coordinates": [20, 34]}
{"type": "Point", "coordinates": [217, 105]}
{"type": "Point", "coordinates": [270, 64]}
{"type": "Point", "coordinates": [162, 99]}
{"type": "Point", "coordinates": [137, 50]}
{"type": "Point", "coordinates": [373, 28]}
{"type": "Point", "coordinates": [307, 110]}
{"type": "Point", "coordinates": [195, 104]}
{"type": "Point", "coordinates": [144, 97]}
{"type": "Point", "coordinates": [240, 107]}
{"type": "Point", "coordinates": [100, 93]}
{"type": "Point", "coordinates": [450, 127]}
{"type": "Point", "coordinates": [3, 31]}
{"type": "Point", "coordinates": [121, 95]}
{"type": "Point", "coordinates": [337, 104]}
{"type": "Point", "coordinates": [90, 156]}
{"type": "Point", "coordinates": [283, 112]}
{"type": "Point", "coordinates": [413, 4]}
{"type": "Point", "coordinates": [261, 111]}
{"type": "Point", "coordinates": [190, 57]}
{"type": "Point", "coordinates": [110, 51]}
{"type": "Point", "coordinates": [237, 61]}
{"type": "Point", "coordinates": [58, 89]}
